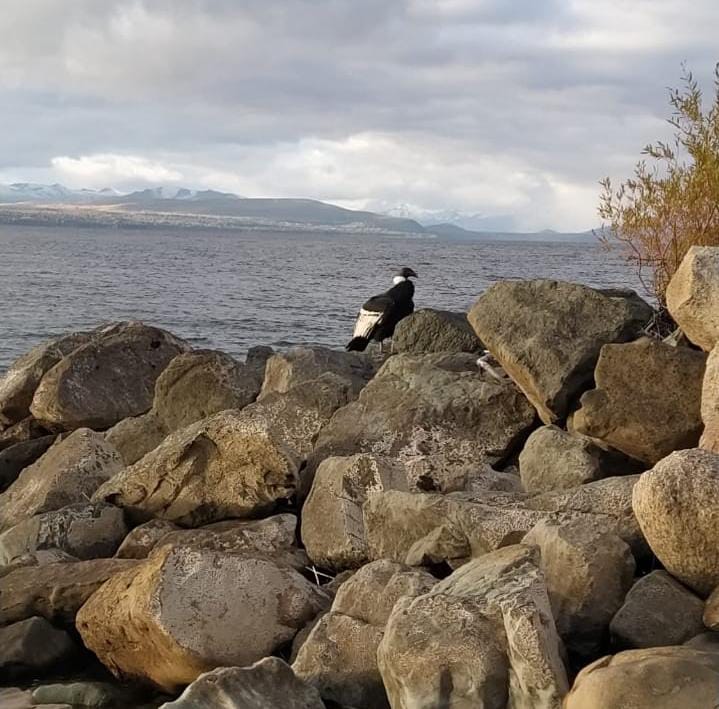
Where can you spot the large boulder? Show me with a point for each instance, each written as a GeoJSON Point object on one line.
{"type": "Point", "coordinates": [268, 684]}
{"type": "Point", "coordinates": [107, 379]}
{"type": "Point", "coordinates": [710, 403]}
{"type": "Point", "coordinates": [85, 531]}
{"type": "Point", "coordinates": [54, 591]}
{"type": "Point", "coordinates": [68, 473]}
{"type": "Point", "coordinates": [693, 296]}
{"type": "Point", "coordinates": [647, 401]}
{"type": "Point", "coordinates": [588, 570]}
{"type": "Point", "coordinates": [200, 383]}
{"type": "Point", "coordinates": [429, 330]}
{"type": "Point", "coordinates": [483, 636]}
{"type": "Point", "coordinates": [142, 539]}
{"type": "Point", "coordinates": [428, 405]}
{"type": "Point", "coordinates": [654, 678]}
{"type": "Point", "coordinates": [332, 524]}
{"type": "Point", "coordinates": [33, 646]}
{"type": "Point", "coordinates": [302, 364]}
{"type": "Point", "coordinates": [553, 459]}
{"type": "Point", "coordinates": [18, 386]}
{"type": "Point", "coordinates": [657, 611]}
{"type": "Point", "coordinates": [212, 470]}
{"type": "Point", "coordinates": [15, 458]}
{"type": "Point", "coordinates": [297, 416]}
{"type": "Point", "coordinates": [677, 505]}
{"type": "Point", "coordinates": [194, 610]}
{"type": "Point", "coordinates": [547, 335]}
{"type": "Point", "coordinates": [339, 656]}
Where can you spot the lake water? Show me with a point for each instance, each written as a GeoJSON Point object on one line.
{"type": "Point", "coordinates": [233, 290]}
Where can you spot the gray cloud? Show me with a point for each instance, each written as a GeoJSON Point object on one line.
{"type": "Point", "coordinates": [473, 105]}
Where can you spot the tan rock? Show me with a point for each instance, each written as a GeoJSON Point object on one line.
{"type": "Point", "coordinates": [677, 505]}
{"type": "Point", "coordinates": [654, 678]}
{"type": "Point", "coordinates": [54, 591]}
{"type": "Point", "coordinates": [483, 636]}
{"type": "Point", "coordinates": [553, 459]}
{"type": "Point", "coordinates": [693, 296]}
{"type": "Point", "coordinates": [194, 610]}
{"type": "Point", "coordinates": [200, 383]}
{"type": "Point", "coordinates": [332, 523]}
{"type": "Point", "coordinates": [647, 401]}
{"type": "Point", "coordinates": [588, 570]}
{"type": "Point", "coordinates": [339, 656]}
{"type": "Point", "coordinates": [84, 531]}
{"type": "Point", "coordinates": [657, 611]}
{"type": "Point", "coordinates": [297, 365]}
{"type": "Point", "coordinates": [68, 473]}
{"type": "Point", "coordinates": [710, 403]}
{"type": "Point", "coordinates": [212, 470]}
{"type": "Point", "coordinates": [107, 379]}
{"type": "Point", "coordinates": [547, 336]}
{"type": "Point", "coordinates": [710, 616]}
{"type": "Point", "coordinates": [136, 436]}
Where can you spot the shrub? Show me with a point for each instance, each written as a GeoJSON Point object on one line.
{"type": "Point", "coordinates": [672, 201]}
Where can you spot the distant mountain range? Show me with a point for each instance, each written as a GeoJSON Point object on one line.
{"type": "Point", "coordinates": [30, 203]}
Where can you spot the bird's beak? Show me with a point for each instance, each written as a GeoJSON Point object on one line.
{"type": "Point", "coordinates": [413, 274]}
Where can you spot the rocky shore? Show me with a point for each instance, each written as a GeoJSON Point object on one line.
{"type": "Point", "coordinates": [318, 529]}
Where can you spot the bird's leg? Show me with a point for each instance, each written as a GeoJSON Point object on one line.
{"type": "Point", "coordinates": [381, 347]}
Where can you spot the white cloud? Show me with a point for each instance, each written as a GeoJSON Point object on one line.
{"type": "Point", "coordinates": [112, 170]}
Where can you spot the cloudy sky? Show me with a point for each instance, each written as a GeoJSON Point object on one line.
{"type": "Point", "coordinates": [510, 109]}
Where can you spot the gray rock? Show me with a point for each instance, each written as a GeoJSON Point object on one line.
{"type": "Point", "coordinates": [15, 458]}
{"type": "Point", "coordinates": [588, 570]}
{"type": "Point", "coordinates": [436, 405]}
{"type": "Point", "coordinates": [85, 694]}
{"type": "Point", "coordinates": [303, 364]}
{"type": "Point", "coordinates": [194, 610]}
{"type": "Point", "coordinates": [339, 655]}
{"type": "Point", "coordinates": [18, 385]}
{"type": "Point", "coordinates": [693, 296]}
{"type": "Point", "coordinates": [547, 336]}
{"type": "Point", "coordinates": [647, 399]}
{"type": "Point", "coordinates": [677, 505]}
{"type": "Point", "coordinates": [23, 431]}
{"type": "Point", "coordinates": [653, 678]}
{"type": "Point", "coordinates": [68, 473]}
{"type": "Point", "coordinates": [332, 524]}
{"type": "Point", "coordinates": [429, 330]}
{"type": "Point", "coordinates": [214, 469]}
{"type": "Point", "coordinates": [107, 379]}
{"type": "Point", "coordinates": [83, 531]}
{"type": "Point", "coordinates": [711, 611]}
{"type": "Point", "coordinates": [657, 611]}
{"type": "Point", "coordinates": [54, 591]}
{"type": "Point", "coordinates": [553, 459]}
{"type": "Point", "coordinates": [268, 684]}
{"type": "Point", "coordinates": [33, 646]}
{"type": "Point", "coordinates": [142, 540]}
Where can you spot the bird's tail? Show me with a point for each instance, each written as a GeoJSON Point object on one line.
{"type": "Point", "coordinates": [357, 344]}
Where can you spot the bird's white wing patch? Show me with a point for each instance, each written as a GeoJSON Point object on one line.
{"type": "Point", "coordinates": [367, 320]}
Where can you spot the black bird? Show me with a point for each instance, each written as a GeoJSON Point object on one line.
{"type": "Point", "coordinates": [380, 314]}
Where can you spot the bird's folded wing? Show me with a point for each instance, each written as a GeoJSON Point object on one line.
{"type": "Point", "coordinates": [367, 321]}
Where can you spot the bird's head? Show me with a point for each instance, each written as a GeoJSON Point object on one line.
{"type": "Point", "coordinates": [404, 274]}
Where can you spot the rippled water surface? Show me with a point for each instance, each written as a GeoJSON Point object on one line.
{"type": "Point", "coordinates": [234, 290]}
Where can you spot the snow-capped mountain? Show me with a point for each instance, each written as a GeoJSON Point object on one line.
{"type": "Point", "coordinates": [465, 220]}
{"type": "Point", "coordinates": [48, 194]}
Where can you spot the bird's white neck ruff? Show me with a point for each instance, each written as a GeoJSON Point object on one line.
{"type": "Point", "coordinates": [398, 279]}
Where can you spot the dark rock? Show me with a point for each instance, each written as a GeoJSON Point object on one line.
{"type": "Point", "coordinates": [16, 458]}
{"type": "Point", "coordinates": [430, 330]}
